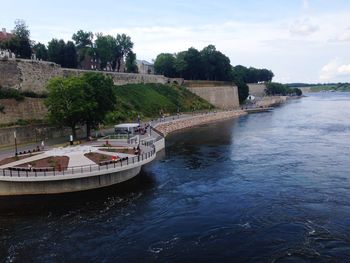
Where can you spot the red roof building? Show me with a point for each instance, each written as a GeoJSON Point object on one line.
{"type": "Point", "coordinates": [4, 35]}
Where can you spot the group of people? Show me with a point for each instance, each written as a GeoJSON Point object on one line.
{"type": "Point", "coordinates": [137, 150]}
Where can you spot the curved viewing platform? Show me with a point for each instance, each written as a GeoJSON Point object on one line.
{"type": "Point", "coordinates": [77, 168]}
{"type": "Point", "coordinates": [111, 160]}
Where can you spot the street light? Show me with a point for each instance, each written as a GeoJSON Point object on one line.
{"type": "Point", "coordinates": [15, 135]}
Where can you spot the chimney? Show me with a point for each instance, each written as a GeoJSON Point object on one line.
{"type": "Point", "coordinates": [4, 31]}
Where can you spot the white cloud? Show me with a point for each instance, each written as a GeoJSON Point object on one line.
{"type": "Point", "coordinates": [303, 27]}
{"type": "Point", "coordinates": [344, 69]}
{"type": "Point", "coordinates": [306, 4]}
{"type": "Point", "coordinates": [343, 36]}
{"type": "Point", "coordinates": [335, 70]}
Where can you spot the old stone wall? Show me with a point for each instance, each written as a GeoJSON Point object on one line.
{"type": "Point", "coordinates": [27, 109]}
{"type": "Point", "coordinates": [257, 90]}
{"type": "Point", "coordinates": [222, 95]}
{"type": "Point", "coordinates": [30, 75]}
{"type": "Point", "coordinates": [180, 124]}
{"type": "Point", "coordinates": [34, 133]}
{"type": "Point", "coordinates": [270, 101]}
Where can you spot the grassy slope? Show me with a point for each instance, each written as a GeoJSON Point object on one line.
{"type": "Point", "coordinates": [149, 99]}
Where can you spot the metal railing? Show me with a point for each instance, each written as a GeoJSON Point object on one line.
{"type": "Point", "coordinates": [51, 171]}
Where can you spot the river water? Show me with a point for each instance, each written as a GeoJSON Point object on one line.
{"type": "Point", "coordinates": [268, 187]}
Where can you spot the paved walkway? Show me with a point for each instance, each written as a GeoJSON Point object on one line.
{"type": "Point", "coordinates": [50, 144]}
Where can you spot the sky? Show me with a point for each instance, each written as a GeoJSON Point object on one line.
{"type": "Point", "coordinates": [299, 40]}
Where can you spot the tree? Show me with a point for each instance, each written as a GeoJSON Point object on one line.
{"type": "Point", "coordinates": [55, 51]}
{"type": "Point", "coordinates": [62, 53]}
{"type": "Point", "coordinates": [165, 65]}
{"type": "Point", "coordinates": [40, 51]}
{"type": "Point", "coordinates": [123, 48]}
{"type": "Point", "coordinates": [181, 64]}
{"type": "Point", "coordinates": [20, 43]}
{"type": "Point", "coordinates": [66, 102]}
{"type": "Point", "coordinates": [101, 99]}
{"type": "Point", "coordinates": [106, 49]}
{"type": "Point", "coordinates": [274, 88]}
{"type": "Point", "coordinates": [70, 56]}
{"type": "Point", "coordinates": [297, 91]}
{"type": "Point", "coordinates": [84, 44]}
{"type": "Point", "coordinates": [130, 63]}
{"type": "Point", "coordinates": [194, 64]}
{"type": "Point", "coordinates": [216, 66]}
{"type": "Point", "coordinates": [243, 90]}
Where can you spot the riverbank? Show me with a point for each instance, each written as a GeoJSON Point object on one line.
{"type": "Point", "coordinates": [179, 124]}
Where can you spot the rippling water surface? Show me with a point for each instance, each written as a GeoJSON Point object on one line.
{"type": "Point", "coordinates": [269, 187]}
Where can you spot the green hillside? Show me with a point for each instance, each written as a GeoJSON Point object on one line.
{"type": "Point", "coordinates": [148, 100]}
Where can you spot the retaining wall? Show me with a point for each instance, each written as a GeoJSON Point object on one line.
{"type": "Point", "coordinates": [27, 109]}
{"type": "Point", "coordinates": [257, 90]}
{"type": "Point", "coordinates": [223, 95]}
{"type": "Point", "coordinates": [31, 75]}
{"type": "Point", "coordinates": [180, 124]}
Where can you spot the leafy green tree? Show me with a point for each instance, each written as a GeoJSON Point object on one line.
{"type": "Point", "coordinates": [181, 64]}
{"type": "Point", "coordinates": [243, 90]}
{"type": "Point", "coordinates": [56, 50]}
{"type": "Point", "coordinates": [194, 64]}
{"type": "Point", "coordinates": [274, 88]}
{"type": "Point", "coordinates": [20, 42]}
{"type": "Point", "coordinates": [216, 66]}
{"type": "Point", "coordinates": [66, 102]}
{"type": "Point", "coordinates": [101, 99]}
{"type": "Point", "coordinates": [62, 53]}
{"type": "Point", "coordinates": [70, 56]}
{"type": "Point", "coordinates": [106, 49]}
{"type": "Point", "coordinates": [40, 51]}
{"type": "Point", "coordinates": [123, 48]}
{"type": "Point", "coordinates": [165, 65]}
{"type": "Point", "coordinates": [297, 91]}
{"type": "Point", "coordinates": [130, 63]}
{"type": "Point", "coordinates": [84, 44]}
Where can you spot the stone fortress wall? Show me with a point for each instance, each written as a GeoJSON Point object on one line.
{"type": "Point", "coordinates": [223, 95]}
{"type": "Point", "coordinates": [257, 90]}
{"type": "Point", "coordinates": [27, 109]}
{"type": "Point", "coordinates": [31, 75]}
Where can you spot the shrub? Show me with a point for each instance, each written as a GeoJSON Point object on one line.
{"type": "Point", "coordinates": [10, 94]}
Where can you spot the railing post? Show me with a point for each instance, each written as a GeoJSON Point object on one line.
{"type": "Point", "coordinates": [81, 169]}
{"type": "Point", "coordinates": [27, 173]}
{"type": "Point", "coordinates": [44, 172]}
{"type": "Point", "coordinates": [35, 173]}
{"type": "Point", "coordinates": [3, 172]}
{"type": "Point", "coordinates": [90, 168]}
{"type": "Point", "coordinates": [18, 173]}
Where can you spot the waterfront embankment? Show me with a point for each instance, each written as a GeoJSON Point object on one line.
{"type": "Point", "coordinates": [183, 123]}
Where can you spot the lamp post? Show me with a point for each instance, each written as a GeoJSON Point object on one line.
{"type": "Point", "coordinates": [15, 135]}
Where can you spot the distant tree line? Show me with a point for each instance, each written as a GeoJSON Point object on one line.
{"type": "Point", "coordinates": [274, 88]}
{"type": "Point", "coordinates": [104, 49]}
{"type": "Point", "coordinates": [209, 64]}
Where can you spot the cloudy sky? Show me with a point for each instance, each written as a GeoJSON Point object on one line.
{"type": "Point", "coordinates": [299, 40]}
